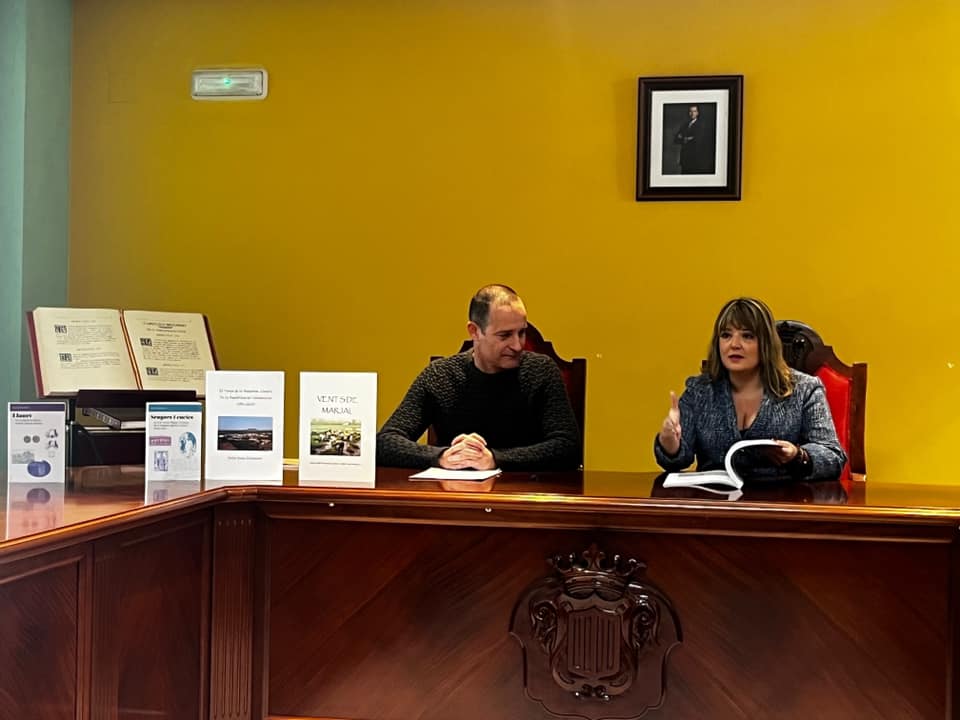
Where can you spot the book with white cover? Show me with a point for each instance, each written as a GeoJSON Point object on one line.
{"type": "Point", "coordinates": [173, 442]}
{"type": "Point", "coordinates": [36, 435]}
{"type": "Point", "coordinates": [727, 477]}
{"type": "Point", "coordinates": [244, 434]}
{"type": "Point", "coordinates": [338, 429]}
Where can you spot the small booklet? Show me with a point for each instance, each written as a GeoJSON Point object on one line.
{"type": "Point", "coordinates": [173, 442]}
{"type": "Point", "coordinates": [744, 458]}
{"type": "Point", "coordinates": [36, 432]}
{"type": "Point", "coordinates": [106, 349]}
{"type": "Point", "coordinates": [36, 467]}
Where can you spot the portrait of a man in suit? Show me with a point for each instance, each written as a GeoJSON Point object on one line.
{"type": "Point", "coordinates": [689, 138]}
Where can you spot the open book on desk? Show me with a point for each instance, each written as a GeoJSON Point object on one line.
{"type": "Point", "coordinates": [105, 349]}
{"type": "Point", "coordinates": [744, 453]}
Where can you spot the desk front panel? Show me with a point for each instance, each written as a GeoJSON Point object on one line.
{"type": "Point", "coordinates": [43, 643]}
{"type": "Point", "coordinates": [109, 629]}
{"type": "Point", "coordinates": [377, 621]}
{"type": "Point", "coordinates": [151, 616]}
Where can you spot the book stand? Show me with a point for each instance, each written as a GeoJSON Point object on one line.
{"type": "Point", "coordinates": [102, 445]}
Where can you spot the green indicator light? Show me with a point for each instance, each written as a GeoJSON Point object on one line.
{"type": "Point", "coordinates": [227, 81]}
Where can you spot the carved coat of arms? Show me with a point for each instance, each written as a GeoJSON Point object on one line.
{"type": "Point", "coordinates": [595, 637]}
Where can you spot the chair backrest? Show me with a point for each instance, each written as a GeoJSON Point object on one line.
{"type": "Point", "coordinates": [846, 387]}
{"type": "Point", "coordinates": [573, 372]}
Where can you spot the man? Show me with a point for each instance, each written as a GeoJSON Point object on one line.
{"type": "Point", "coordinates": [695, 144]}
{"type": "Point", "coordinates": [493, 406]}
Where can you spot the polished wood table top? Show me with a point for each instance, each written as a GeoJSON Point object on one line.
{"type": "Point", "coordinates": [100, 497]}
{"type": "Point", "coordinates": [170, 600]}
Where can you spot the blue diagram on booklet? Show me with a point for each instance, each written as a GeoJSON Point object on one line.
{"type": "Point", "coordinates": [39, 468]}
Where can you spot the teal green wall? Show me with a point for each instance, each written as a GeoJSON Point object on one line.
{"type": "Point", "coordinates": [34, 177]}
{"type": "Point", "coordinates": [46, 167]}
{"type": "Point", "coordinates": [13, 37]}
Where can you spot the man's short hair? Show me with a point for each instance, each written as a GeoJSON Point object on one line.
{"type": "Point", "coordinates": [487, 297]}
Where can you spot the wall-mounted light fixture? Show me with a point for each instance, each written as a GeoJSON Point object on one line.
{"type": "Point", "coordinates": [229, 84]}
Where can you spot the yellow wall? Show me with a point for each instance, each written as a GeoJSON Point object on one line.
{"type": "Point", "coordinates": [412, 151]}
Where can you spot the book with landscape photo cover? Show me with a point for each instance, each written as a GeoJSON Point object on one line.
{"type": "Point", "coordinates": [746, 460]}
{"type": "Point", "coordinates": [106, 349]}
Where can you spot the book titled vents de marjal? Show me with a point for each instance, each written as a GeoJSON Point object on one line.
{"type": "Point", "coordinates": [106, 349]}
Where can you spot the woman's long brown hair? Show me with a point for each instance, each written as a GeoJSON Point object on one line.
{"type": "Point", "coordinates": [754, 316]}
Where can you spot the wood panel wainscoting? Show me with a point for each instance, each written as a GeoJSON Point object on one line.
{"type": "Point", "coordinates": [543, 598]}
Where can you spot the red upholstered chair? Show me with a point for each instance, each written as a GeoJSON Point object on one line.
{"type": "Point", "coordinates": [573, 372]}
{"type": "Point", "coordinates": [846, 387]}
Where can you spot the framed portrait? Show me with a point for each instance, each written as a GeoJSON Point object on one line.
{"type": "Point", "coordinates": [689, 137]}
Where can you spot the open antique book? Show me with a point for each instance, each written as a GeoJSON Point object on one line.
{"type": "Point", "coordinates": [104, 349]}
{"type": "Point", "coordinates": [740, 459]}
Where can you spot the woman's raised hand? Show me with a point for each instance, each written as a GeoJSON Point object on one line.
{"type": "Point", "coordinates": [670, 432]}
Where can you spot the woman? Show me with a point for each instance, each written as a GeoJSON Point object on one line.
{"type": "Point", "coordinates": [747, 392]}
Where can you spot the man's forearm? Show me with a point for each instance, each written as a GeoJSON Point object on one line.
{"type": "Point", "coordinates": [554, 454]}
{"type": "Point", "coordinates": [396, 450]}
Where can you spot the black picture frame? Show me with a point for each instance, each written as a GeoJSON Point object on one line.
{"type": "Point", "coordinates": [690, 137]}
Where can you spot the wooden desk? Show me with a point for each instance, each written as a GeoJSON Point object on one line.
{"type": "Point", "coordinates": [395, 603]}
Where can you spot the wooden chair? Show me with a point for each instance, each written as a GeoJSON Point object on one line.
{"type": "Point", "coordinates": [846, 387]}
{"type": "Point", "coordinates": [573, 372]}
